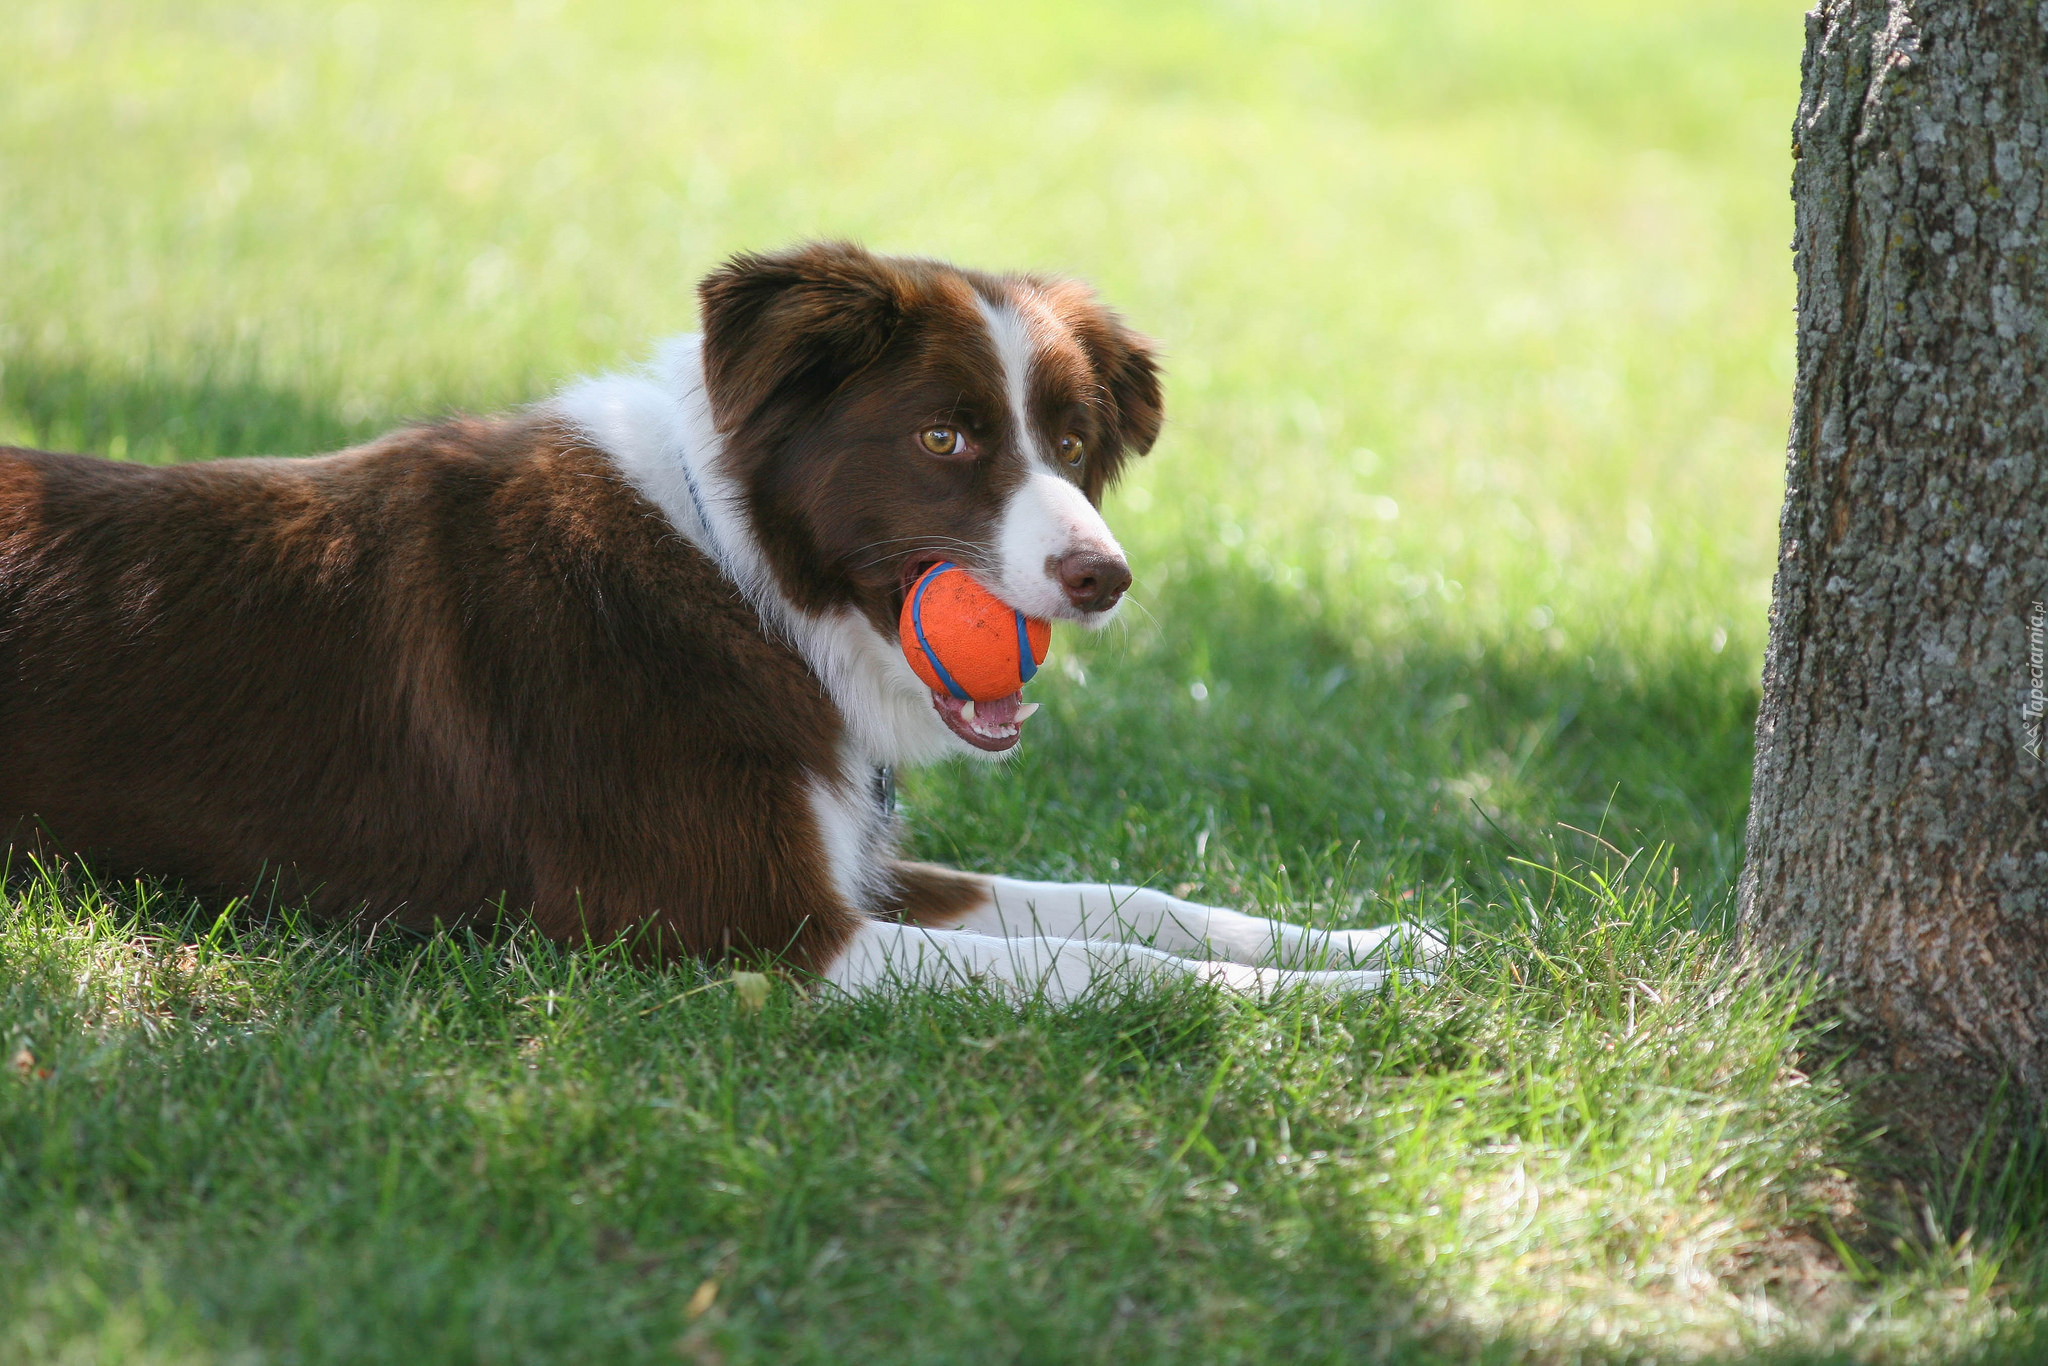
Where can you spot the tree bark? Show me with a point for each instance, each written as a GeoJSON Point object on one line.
{"type": "Point", "coordinates": [1898, 828]}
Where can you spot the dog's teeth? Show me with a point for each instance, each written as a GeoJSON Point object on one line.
{"type": "Point", "coordinates": [967, 710]}
{"type": "Point", "coordinates": [1024, 710]}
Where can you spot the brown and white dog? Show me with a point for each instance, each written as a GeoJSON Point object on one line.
{"type": "Point", "coordinates": [625, 661]}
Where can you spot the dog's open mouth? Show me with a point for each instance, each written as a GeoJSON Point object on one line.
{"type": "Point", "coordinates": [993, 726]}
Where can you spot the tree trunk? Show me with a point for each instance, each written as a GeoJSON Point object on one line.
{"type": "Point", "coordinates": [1898, 829]}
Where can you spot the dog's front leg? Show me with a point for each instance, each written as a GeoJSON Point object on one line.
{"type": "Point", "coordinates": [1011, 908]}
{"type": "Point", "coordinates": [886, 956]}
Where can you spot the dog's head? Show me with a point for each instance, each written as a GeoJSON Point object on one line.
{"type": "Point", "coordinates": [885, 413]}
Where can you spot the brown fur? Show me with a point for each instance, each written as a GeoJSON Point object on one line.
{"type": "Point", "coordinates": [927, 894]}
{"type": "Point", "coordinates": [462, 667]}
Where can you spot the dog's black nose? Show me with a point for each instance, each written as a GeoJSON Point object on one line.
{"type": "Point", "coordinates": [1093, 581]}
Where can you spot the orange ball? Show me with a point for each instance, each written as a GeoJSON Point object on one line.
{"type": "Point", "coordinates": [964, 641]}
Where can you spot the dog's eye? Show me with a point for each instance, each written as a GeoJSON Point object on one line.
{"type": "Point", "coordinates": [1072, 448]}
{"type": "Point", "coordinates": [942, 440]}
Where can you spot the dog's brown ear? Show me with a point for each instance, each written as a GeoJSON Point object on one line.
{"type": "Point", "coordinates": [1130, 370]}
{"type": "Point", "coordinates": [1126, 365]}
{"type": "Point", "coordinates": [793, 323]}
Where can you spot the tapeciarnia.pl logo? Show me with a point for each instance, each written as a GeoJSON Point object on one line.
{"type": "Point", "coordinates": [2037, 693]}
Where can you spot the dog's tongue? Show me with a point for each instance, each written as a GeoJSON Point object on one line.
{"type": "Point", "coordinates": [1001, 712]}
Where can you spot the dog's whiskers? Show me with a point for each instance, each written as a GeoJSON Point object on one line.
{"type": "Point", "coordinates": [960, 552]}
{"type": "Point", "coordinates": [927, 541]}
{"type": "Point", "coordinates": [1135, 602]}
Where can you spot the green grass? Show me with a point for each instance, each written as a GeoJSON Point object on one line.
{"type": "Point", "coordinates": [1478, 326]}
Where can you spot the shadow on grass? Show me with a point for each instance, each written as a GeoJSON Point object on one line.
{"type": "Point", "coordinates": [271, 1141]}
{"type": "Point", "coordinates": [223, 407]}
{"type": "Point", "coordinates": [447, 1148]}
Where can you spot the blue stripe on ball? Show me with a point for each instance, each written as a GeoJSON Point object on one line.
{"type": "Point", "coordinates": [1026, 665]}
{"type": "Point", "coordinates": [917, 625]}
